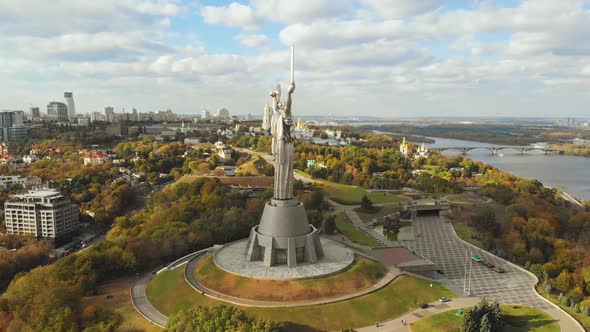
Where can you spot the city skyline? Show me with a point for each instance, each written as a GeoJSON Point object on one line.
{"type": "Point", "coordinates": [382, 58]}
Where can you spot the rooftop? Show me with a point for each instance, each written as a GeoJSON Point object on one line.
{"type": "Point", "coordinates": [45, 192]}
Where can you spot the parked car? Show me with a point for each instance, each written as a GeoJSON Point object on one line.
{"type": "Point", "coordinates": [444, 299]}
{"type": "Point", "coordinates": [423, 305]}
{"type": "Point", "coordinates": [477, 258]}
{"type": "Point", "coordinates": [499, 269]}
{"type": "Point", "coordinates": [488, 265]}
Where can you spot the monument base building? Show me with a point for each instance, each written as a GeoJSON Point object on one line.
{"type": "Point", "coordinates": [284, 236]}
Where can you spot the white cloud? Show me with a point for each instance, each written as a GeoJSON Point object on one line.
{"type": "Point", "coordinates": [252, 40]}
{"type": "Point", "coordinates": [402, 8]}
{"type": "Point", "coordinates": [289, 11]}
{"type": "Point", "coordinates": [331, 34]}
{"type": "Point", "coordinates": [233, 15]}
{"type": "Point", "coordinates": [379, 57]}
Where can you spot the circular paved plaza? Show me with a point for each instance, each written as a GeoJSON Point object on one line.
{"type": "Point", "coordinates": [232, 258]}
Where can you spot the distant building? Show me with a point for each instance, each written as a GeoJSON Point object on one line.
{"type": "Point", "coordinates": [422, 152]}
{"type": "Point", "coordinates": [109, 114]}
{"type": "Point", "coordinates": [96, 158]}
{"type": "Point", "coordinates": [97, 116]}
{"type": "Point", "coordinates": [222, 114]}
{"type": "Point", "coordinates": [227, 170]}
{"type": "Point", "coordinates": [57, 112]}
{"type": "Point", "coordinates": [42, 213]}
{"type": "Point", "coordinates": [84, 121]}
{"type": "Point", "coordinates": [404, 148]}
{"type": "Point", "coordinates": [10, 180]}
{"type": "Point", "coordinates": [69, 96]}
{"type": "Point", "coordinates": [4, 152]}
{"type": "Point", "coordinates": [12, 126]}
{"type": "Point", "coordinates": [223, 150]}
{"type": "Point", "coordinates": [190, 141]}
{"type": "Point", "coordinates": [266, 117]}
{"type": "Point", "coordinates": [35, 114]}
{"type": "Point", "coordinates": [302, 131]}
{"type": "Point", "coordinates": [205, 115]}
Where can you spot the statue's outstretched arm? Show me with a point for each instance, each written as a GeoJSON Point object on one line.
{"type": "Point", "coordinates": [289, 101]}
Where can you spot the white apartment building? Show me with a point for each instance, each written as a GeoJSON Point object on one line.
{"type": "Point", "coordinates": [42, 213]}
{"type": "Point", "coordinates": [9, 180]}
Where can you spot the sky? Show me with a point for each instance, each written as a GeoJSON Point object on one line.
{"type": "Point", "coordinates": [385, 58]}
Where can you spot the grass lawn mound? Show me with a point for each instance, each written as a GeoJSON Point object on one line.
{"type": "Point", "coordinates": [256, 166]}
{"type": "Point", "coordinates": [169, 292]}
{"type": "Point", "coordinates": [114, 295]}
{"type": "Point", "coordinates": [346, 228]}
{"type": "Point", "coordinates": [363, 274]}
{"type": "Point", "coordinates": [352, 195]}
{"type": "Point", "coordinates": [467, 198]}
{"type": "Point", "coordinates": [516, 318]}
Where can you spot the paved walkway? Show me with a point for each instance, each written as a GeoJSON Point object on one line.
{"type": "Point", "coordinates": [438, 242]}
{"type": "Point", "coordinates": [413, 316]}
{"type": "Point", "coordinates": [189, 276]}
{"type": "Point", "coordinates": [360, 225]}
{"type": "Point", "coordinates": [141, 303]}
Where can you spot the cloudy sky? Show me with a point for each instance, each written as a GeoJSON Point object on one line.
{"type": "Point", "coordinates": [393, 58]}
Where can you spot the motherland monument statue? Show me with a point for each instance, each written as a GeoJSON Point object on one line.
{"type": "Point", "coordinates": [284, 235]}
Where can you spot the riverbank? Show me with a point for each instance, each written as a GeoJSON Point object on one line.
{"type": "Point", "coordinates": [563, 172]}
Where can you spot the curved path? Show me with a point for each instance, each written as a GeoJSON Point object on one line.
{"type": "Point", "coordinates": [142, 304]}
{"type": "Point", "coordinates": [194, 283]}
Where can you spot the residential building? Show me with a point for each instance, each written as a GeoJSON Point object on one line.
{"type": "Point", "coordinates": [44, 213]}
{"type": "Point", "coordinates": [84, 121]}
{"type": "Point", "coordinates": [12, 126]}
{"type": "Point", "coordinates": [96, 158]}
{"type": "Point", "coordinates": [57, 112]}
{"type": "Point", "coordinates": [109, 114]}
{"type": "Point", "coordinates": [35, 114]}
{"type": "Point", "coordinates": [69, 96]}
{"type": "Point", "coordinates": [97, 116]}
{"type": "Point", "coordinates": [10, 180]}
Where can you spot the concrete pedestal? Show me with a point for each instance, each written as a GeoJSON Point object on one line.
{"type": "Point", "coordinates": [284, 236]}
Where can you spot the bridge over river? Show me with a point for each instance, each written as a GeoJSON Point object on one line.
{"type": "Point", "coordinates": [494, 149]}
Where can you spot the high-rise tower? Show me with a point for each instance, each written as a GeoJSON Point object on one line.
{"type": "Point", "coordinates": [69, 96]}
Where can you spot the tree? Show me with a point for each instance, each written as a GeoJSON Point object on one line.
{"type": "Point", "coordinates": [485, 221]}
{"type": "Point", "coordinates": [330, 224]}
{"type": "Point", "coordinates": [217, 318]}
{"type": "Point", "coordinates": [484, 317]}
{"type": "Point", "coordinates": [485, 325]}
{"type": "Point", "coordinates": [366, 203]}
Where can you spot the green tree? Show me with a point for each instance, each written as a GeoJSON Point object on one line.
{"type": "Point", "coordinates": [217, 318]}
{"type": "Point", "coordinates": [330, 224]}
{"type": "Point", "coordinates": [366, 203]}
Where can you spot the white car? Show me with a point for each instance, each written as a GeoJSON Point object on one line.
{"type": "Point", "coordinates": [444, 299]}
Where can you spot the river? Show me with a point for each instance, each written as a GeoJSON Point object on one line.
{"type": "Point", "coordinates": [568, 173]}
